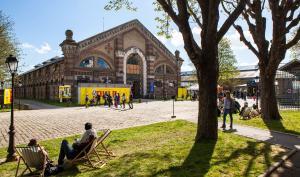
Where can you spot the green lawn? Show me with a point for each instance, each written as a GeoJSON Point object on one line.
{"type": "Point", "coordinates": [168, 149]}
{"type": "Point", "coordinates": [290, 122]}
{"type": "Point", "coordinates": [57, 103]}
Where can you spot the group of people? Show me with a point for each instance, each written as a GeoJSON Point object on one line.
{"type": "Point", "coordinates": [229, 106]}
{"type": "Point", "coordinates": [67, 150]}
{"type": "Point", "coordinates": [109, 100]}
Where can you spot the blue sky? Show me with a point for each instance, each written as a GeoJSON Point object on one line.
{"type": "Point", "coordinates": [40, 26]}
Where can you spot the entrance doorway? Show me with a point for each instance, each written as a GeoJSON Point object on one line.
{"type": "Point", "coordinates": [134, 72]}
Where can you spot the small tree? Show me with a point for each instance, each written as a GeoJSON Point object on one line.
{"type": "Point", "coordinates": [7, 43]}
{"type": "Point", "coordinates": [285, 16]}
{"type": "Point", "coordinates": [204, 56]}
{"type": "Point", "coordinates": [227, 62]}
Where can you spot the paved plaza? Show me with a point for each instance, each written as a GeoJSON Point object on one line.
{"type": "Point", "coordinates": [51, 123]}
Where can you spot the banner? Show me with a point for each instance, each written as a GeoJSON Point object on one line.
{"type": "Point", "coordinates": [92, 92]}
{"type": "Point", "coordinates": [7, 96]}
{"type": "Point", "coordinates": [64, 91]}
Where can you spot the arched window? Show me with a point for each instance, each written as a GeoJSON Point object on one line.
{"type": "Point", "coordinates": [133, 66]}
{"type": "Point", "coordinates": [160, 69]}
{"type": "Point", "coordinates": [169, 70]}
{"type": "Point", "coordinates": [87, 63]}
{"type": "Point", "coordinates": [102, 64]}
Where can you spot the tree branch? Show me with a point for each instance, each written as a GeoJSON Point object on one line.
{"type": "Point", "coordinates": [294, 41]}
{"type": "Point", "coordinates": [197, 20]}
{"type": "Point", "coordinates": [231, 19]}
{"type": "Point", "coordinates": [293, 23]}
{"type": "Point", "coordinates": [244, 40]}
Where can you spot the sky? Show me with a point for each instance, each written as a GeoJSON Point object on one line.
{"type": "Point", "coordinates": [40, 25]}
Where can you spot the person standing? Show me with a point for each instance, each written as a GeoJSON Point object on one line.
{"type": "Point", "coordinates": [86, 101]}
{"type": "Point", "coordinates": [130, 101]}
{"type": "Point", "coordinates": [116, 100]}
{"type": "Point", "coordinates": [228, 109]}
{"type": "Point", "coordinates": [109, 100]}
{"type": "Point", "coordinates": [98, 99]}
{"type": "Point", "coordinates": [105, 98]}
{"type": "Point", "coordinates": [123, 100]}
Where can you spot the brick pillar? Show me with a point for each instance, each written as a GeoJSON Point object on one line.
{"type": "Point", "coordinates": [150, 65]}
{"type": "Point", "coordinates": [69, 48]}
{"type": "Point", "coordinates": [119, 59]}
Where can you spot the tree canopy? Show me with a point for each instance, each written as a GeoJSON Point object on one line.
{"type": "Point", "coordinates": [7, 43]}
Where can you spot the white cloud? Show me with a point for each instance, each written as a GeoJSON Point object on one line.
{"type": "Point", "coordinates": [236, 44]}
{"type": "Point", "coordinates": [196, 30]}
{"type": "Point", "coordinates": [43, 49]}
{"type": "Point", "coordinates": [162, 39]}
{"type": "Point", "coordinates": [27, 46]}
{"type": "Point", "coordinates": [176, 39]}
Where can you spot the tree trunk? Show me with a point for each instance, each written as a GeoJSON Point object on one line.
{"type": "Point", "coordinates": [269, 108]}
{"type": "Point", "coordinates": [207, 80]}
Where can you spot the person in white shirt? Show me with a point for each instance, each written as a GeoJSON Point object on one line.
{"type": "Point", "coordinates": [70, 151]}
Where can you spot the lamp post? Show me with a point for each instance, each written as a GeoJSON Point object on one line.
{"type": "Point", "coordinates": [20, 85]}
{"type": "Point", "coordinates": [256, 81]}
{"type": "Point", "coordinates": [12, 64]}
{"type": "Point", "coordinates": [177, 73]}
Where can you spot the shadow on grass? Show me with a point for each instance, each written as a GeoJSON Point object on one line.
{"type": "Point", "coordinates": [252, 152]}
{"type": "Point", "coordinates": [197, 162]}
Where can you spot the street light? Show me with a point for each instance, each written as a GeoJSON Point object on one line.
{"type": "Point", "coordinates": [177, 73]}
{"type": "Point", "coordinates": [256, 81]}
{"type": "Point", "coordinates": [12, 64]}
{"type": "Point", "coordinates": [20, 85]}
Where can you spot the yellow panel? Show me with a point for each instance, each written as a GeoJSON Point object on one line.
{"type": "Point", "coordinates": [100, 90]}
{"type": "Point", "coordinates": [7, 96]}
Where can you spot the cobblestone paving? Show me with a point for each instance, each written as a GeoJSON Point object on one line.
{"type": "Point", "coordinates": [51, 123]}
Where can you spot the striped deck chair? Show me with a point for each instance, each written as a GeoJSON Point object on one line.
{"type": "Point", "coordinates": [33, 158]}
{"type": "Point", "coordinates": [90, 151]}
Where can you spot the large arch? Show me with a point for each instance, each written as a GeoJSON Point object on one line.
{"type": "Point", "coordinates": [135, 50]}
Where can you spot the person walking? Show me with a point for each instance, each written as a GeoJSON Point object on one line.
{"type": "Point", "coordinates": [105, 98]}
{"type": "Point", "coordinates": [130, 101]}
{"type": "Point", "coordinates": [109, 100]}
{"type": "Point", "coordinates": [123, 100]}
{"type": "Point", "coordinates": [98, 99]}
{"type": "Point", "coordinates": [116, 100]}
{"type": "Point", "coordinates": [229, 106]}
{"type": "Point", "coordinates": [86, 101]}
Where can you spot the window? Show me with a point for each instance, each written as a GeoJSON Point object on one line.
{"type": "Point", "coordinates": [160, 69]}
{"type": "Point", "coordinates": [133, 66]}
{"type": "Point", "coordinates": [169, 70]}
{"type": "Point", "coordinates": [87, 63]}
{"type": "Point", "coordinates": [101, 63]}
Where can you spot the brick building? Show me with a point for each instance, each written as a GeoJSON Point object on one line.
{"type": "Point", "coordinates": [128, 54]}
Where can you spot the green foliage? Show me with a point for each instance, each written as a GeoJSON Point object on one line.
{"type": "Point", "coordinates": [119, 4]}
{"type": "Point", "coordinates": [7, 43]}
{"type": "Point", "coordinates": [168, 149]}
{"type": "Point", "coordinates": [227, 62]}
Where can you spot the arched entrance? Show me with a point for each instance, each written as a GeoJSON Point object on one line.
{"type": "Point", "coordinates": [135, 72]}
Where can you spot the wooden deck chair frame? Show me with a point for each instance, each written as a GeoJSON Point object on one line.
{"type": "Point", "coordinates": [105, 151]}
{"type": "Point", "coordinates": [85, 154]}
{"type": "Point", "coordinates": [21, 157]}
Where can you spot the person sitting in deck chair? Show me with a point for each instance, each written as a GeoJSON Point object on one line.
{"type": "Point", "coordinates": [70, 152]}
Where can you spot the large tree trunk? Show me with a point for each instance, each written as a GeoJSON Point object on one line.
{"type": "Point", "coordinates": [207, 80]}
{"type": "Point", "coordinates": [268, 99]}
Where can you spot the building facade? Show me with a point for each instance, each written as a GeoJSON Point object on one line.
{"type": "Point", "coordinates": [127, 54]}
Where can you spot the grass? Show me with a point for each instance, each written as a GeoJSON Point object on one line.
{"type": "Point", "coordinates": [168, 149]}
{"type": "Point", "coordinates": [57, 103]}
{"type": "Point", "coordinates": [290, 122]}
{"type": "Point", "coordinates": [4, 110]}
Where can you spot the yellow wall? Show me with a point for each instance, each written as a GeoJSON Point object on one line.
{"type": "Point", "coordinates": [83, 91]}
{"type": "Point", "coordinates": [182, 91]}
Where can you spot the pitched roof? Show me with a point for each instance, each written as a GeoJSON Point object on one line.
{"type": "Point", "coordinates": [290, 65]}
{"type": "Point", "coordinates": [44, 64]}
{"type": "Point", "coordinates": [122, 28]}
